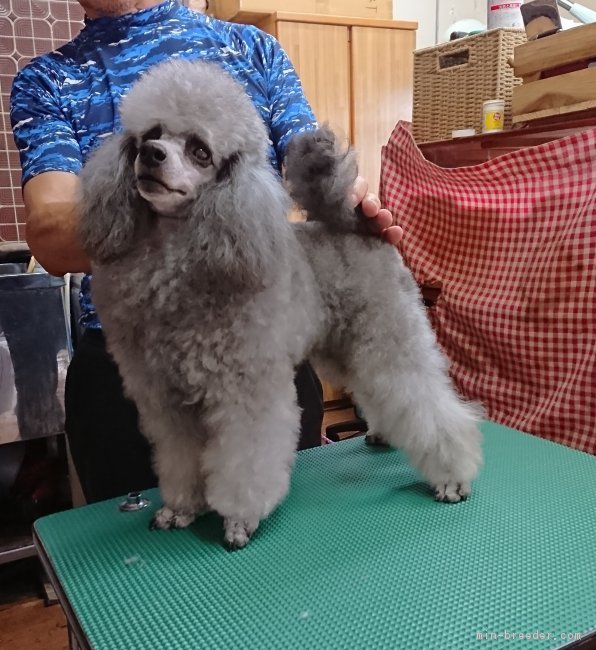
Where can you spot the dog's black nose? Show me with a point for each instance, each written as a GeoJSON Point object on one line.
{"type": "Point", "coordinates": [152, 154]}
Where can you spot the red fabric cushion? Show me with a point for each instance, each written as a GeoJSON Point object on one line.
{"type": "Point", "coordinates": [513, 244]}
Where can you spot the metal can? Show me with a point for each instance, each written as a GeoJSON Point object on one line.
{"type": "Point", "coordinates": [504, 14]}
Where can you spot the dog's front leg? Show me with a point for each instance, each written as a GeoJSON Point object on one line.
{"type": "Point", "coordinates": [182, 489]}
{"type": "Point", "coordinates": [248, 458]}
{"type": "Point", "coordinates": [177, 448]}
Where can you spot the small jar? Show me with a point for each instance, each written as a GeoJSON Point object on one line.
{"type": "Point", "coordinates": [493, 115]}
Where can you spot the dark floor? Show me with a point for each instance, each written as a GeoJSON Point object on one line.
{"type": "Point", "coordinates": [25, 621]}
{"type": "Point", "coordinates": [19, 580]}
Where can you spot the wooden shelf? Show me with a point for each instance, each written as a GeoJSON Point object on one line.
{"type": "Point", "coordinates": [462, 152]}
{"type": "Point", "coordinates": [576, 44]}
{"type": "Point", "coordinates": [321, 19]}
{"type": "Point", "coordinates": [240, 10]}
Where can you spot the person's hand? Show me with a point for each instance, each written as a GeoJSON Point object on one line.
{"type": "Point", "coordinates": [379, 220]}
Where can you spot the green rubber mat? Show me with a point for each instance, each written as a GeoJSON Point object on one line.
{"type": "Point", "coordinates": [358, 557]}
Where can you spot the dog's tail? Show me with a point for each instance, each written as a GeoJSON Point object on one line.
{"type": "Point", "coordinates": [320, 175]}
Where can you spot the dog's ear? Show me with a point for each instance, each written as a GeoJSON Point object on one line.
{"type": "Point", "coordinates": [109, 203]}
{"type": "Point", "coordinates": [240, 225]}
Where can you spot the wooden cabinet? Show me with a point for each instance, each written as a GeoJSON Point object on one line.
{"type": "Point", "coordinates": [356, 74]}
{"type": "Point", "coordinates": [249, 10]}
{"type": "Point", "coordinates": [382, 87]}
{"type": "Point", "coordinates": [326, 76]}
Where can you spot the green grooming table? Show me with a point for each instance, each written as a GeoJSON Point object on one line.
{"type": "Point", "coordinates": [358, 557]}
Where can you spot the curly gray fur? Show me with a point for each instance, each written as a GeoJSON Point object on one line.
{"type": "Point", "coordinates": [321, 176]}
{"type": "Point", "coordinates": [112, 195]}
{"type": "Point", "coordinates": [208, 313]}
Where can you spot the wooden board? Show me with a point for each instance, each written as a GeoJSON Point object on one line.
{"type": "Point", "coordinates": [566, 93]}
{"type": "Point", "coordinates": [576, 44]}
{"type": "Point", "coordinates": [327, 87]}
{"type": "Point", "coordinates": [229, 9]}
{"type": "Point", "coordinates": [29, 625]}
{"type": "Point", "coordinates": [332, 394]}
{"type": "Point", "coordinates": [382, 89]}
{"type": "Point", "coordinates": [345, 21]}
{"type": "Point", "coordinates": [554, 112]}
{"type": "Point", "coordinates": [463, 152]}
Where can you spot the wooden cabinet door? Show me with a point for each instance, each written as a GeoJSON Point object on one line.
{"type": "Point", "coordinates": [321, 56]}
{"type": "Point", "coordinates": [382, 86]}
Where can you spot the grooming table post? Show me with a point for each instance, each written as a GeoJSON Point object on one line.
{"type": "Point", "coordinates": [361, 530]}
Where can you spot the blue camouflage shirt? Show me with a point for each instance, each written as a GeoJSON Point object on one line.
{"type": "Point", "coordinates": [63, 103]}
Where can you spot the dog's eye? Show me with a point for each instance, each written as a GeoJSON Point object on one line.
{"type": "Point", "coordinates": [198, 150]}
{"type": "Point", "coordinates": [201, 154]}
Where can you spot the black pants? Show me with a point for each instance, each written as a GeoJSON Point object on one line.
{"type": "Point", "coordinates": [110, 454]}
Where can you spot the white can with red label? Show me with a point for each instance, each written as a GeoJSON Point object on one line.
{"type": "Point", "coordinates": [504, 14]}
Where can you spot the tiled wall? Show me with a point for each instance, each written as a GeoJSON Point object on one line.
{"type": "Point", "coordinates": [27, 28]}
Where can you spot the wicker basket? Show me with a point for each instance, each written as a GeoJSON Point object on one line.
{"type": "Point", "coordinates": [452, 80]}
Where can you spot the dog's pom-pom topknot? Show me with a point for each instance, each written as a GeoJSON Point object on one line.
{"type": "Point", "coordinates": [320, 176]}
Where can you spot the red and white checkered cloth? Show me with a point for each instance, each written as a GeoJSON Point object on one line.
{"type": "Point", "coordinates": [513, 243]}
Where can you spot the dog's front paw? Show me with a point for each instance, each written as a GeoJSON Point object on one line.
{"type": "Point", "coordinates": [237, 532]}
{"type": "Point", "coordinates": [452, 492]}
{"type": "Point", "coordinates": [166, 518]}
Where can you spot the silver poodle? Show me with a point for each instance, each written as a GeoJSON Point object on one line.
{"type": "Point", "coordinates": [210, 297]}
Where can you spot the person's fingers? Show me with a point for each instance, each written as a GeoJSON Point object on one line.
{"type": "Point", "coordinates": [359, 191]}
{"type": "Point", "coordinates": [371, 205]}
{"type": "Point", "coordinates": [381, 221]}
{"type": "Point", "coordinates": [393, 235]}
{"type": "Point", "coordinates": [384, 218]}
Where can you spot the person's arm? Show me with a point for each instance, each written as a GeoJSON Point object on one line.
{"type": "Point", "coordinates": [50, 160]}
{"type": "Point", "coordinates": [52, 223]}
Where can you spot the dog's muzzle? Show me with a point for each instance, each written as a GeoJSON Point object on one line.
{"type": "Point", "coordinates": [151, 171]}
{"type": "Point", "coordinates": [152, 154]}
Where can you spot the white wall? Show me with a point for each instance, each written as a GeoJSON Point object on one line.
{"type": "Point", "coordinates": [422, 11]}
{"type": "Point", "coordinates": [450, 11]}
{"type": "Point", "coordinates": [435, 16]}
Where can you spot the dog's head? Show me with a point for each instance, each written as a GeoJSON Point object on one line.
{"type": "Point", "coordinates": [193, 149]}
{"type": "Point", "coordinates": [187, 124]}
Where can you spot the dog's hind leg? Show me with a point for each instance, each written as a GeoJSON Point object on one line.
{"type": "Point", "coordinates": [248, 458]}
{"type": "Point", "coordinates": [399, 378]}
{"type": "Point", "coordinates": [438, 431]}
